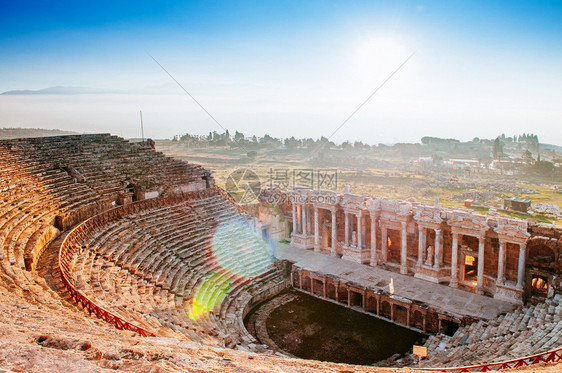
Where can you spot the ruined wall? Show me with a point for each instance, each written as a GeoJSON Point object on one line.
{"type": "Point", "coordinates": [544, 249]}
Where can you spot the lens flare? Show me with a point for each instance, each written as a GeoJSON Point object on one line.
{"type": "Point", "coordinates": [240, 250]}
{"type": "Point", "coordinates": [240, 253]}
{"type": "Point", "coordinates": [211, 292]}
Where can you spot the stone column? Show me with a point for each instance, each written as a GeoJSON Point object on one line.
{"type": "Point", "coordinates": [455, 262]}
{"type": "Point", "coordinates": [337, 288]}
{"type": "Point", "coordinates": [346, 243]}
{"type": "Point", "coordinates": [501, 263]}
{"type": "Point", "coordinates": [351, 228]}
{"type": "Point", "coordinates": [294, 218]}
{"type": "Point", "coordinates": [408, 311]}
{"type": "Point", "coordinates": [359, 233]}
{"type": "Point", "coordinates": [373, 241]}
{"type": "Point", "coordinates": [521, 266]}
{"type": "Point", "coordinates": [404, 250]}
{"type": "Point", "coordinates": [316, 235]}
{"type": "Point", "coordinates": [333, 233]}
{"type": "Point", "coordinates": [384, 239]}
{"type": "Point", "coordinates": [304, 230]}
{"type": "Point", "coordinates": [421, 245]}
{"type": "Point", "coordinates": [480, 277]}
{"type": "Point", "coordinates": [437, 257]}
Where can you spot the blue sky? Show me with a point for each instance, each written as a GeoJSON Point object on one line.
{"type": "Point", "coordinates": [288, 67]}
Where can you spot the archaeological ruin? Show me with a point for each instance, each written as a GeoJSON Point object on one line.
{"type": "Point", "coordinates": [111, 241]}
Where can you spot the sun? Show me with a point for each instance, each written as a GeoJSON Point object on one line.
{"type": "Point", "coordinates": [379, 55]}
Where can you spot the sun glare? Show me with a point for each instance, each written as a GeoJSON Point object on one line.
{"type": "Point", "coordinates": [379, 56]}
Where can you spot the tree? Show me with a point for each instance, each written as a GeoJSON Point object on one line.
{"type": "Point", "coordinates": [527, 156]}
{"type": "Point", "coordinates": [238, 136]}
{"type": "Point", "coordinates": [497, 150]}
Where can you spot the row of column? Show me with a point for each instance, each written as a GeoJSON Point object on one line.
{"type": "Point", "coordinates": [304, 229]}
{"type": "Point", "coordinates": [500, 279]}
{"type": "Point", "coordinates": [348, 232]}
{"type": "Point", "coordinates": [435, 260]}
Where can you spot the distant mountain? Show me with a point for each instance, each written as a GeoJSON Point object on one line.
{"type": "Point", "coordinates": [556, 148]}
{"type": "Point", "coordinates": [63, 91]}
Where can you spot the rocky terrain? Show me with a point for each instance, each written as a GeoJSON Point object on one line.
{"type": "Point", "coordinates": [547, 208]}
{"type": "Point", "coordinates": [39, 332]}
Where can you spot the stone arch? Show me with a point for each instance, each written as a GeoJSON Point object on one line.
{"type": "Point", "coordinates": [417, 319]}
{"type": "Point", "coordinates": [400, 314]}
{"type": "Point", "coordinates": [385, 309]}
{"type": "Point", "coordinates": [543, 255]}
{"type": "Point", "coordinates": [371, 303]}
{"type": "Point", "coordinates": [331, 290]}
{"type": "Point", "coordinates": [542, 252]}
{"type": "Point", "coordinates": [306, 283]}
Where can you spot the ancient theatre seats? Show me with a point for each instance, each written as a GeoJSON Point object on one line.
{"type": "Point", "coordinates": [156, 268]}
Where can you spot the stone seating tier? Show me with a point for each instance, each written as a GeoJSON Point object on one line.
{"type": "Point", "coordinates": [530, 330]}
{"type": "Point", "coordinates": [155, 261]}
{"type": "Point", "coordinates": [37, 192]}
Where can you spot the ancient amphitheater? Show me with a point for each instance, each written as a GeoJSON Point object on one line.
{"type": "Point", "coordinates": [114, 256]}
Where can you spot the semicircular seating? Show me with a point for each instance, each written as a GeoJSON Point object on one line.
{"type": "Point", "coordinates": [159, 267]}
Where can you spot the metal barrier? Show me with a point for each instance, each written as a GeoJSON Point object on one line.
{"type": "Point", "coordinates": [71, 247]}
{"type": "Point", "coordinates": [551, 356]}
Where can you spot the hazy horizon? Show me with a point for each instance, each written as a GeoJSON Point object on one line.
{"type": "Point", "coordinates": [287, 69]}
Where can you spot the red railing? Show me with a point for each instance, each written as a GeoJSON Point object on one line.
{"type": "Point", "coordinates": [551, 356]}
{"type": "Point", "coordinates": [71, 246]}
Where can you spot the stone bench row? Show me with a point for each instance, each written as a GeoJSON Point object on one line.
{"type": "Point", "coordinates": [530, 330]}
{"type": "Point", "coordinates": [168, 248]}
